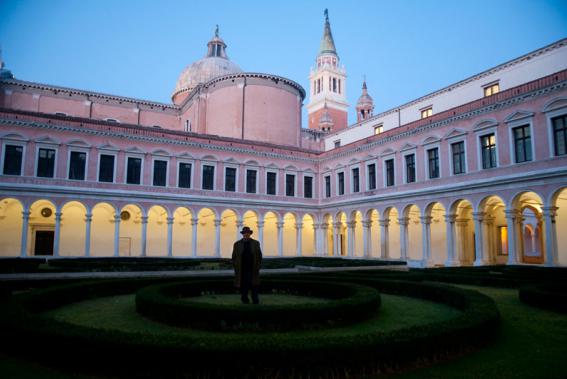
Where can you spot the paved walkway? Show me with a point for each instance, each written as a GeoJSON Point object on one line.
{"type": "Point", "coordinates": [182, 274]}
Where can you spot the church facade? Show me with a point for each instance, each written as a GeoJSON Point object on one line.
{"type": "Point", "coordinates": [472, 174]}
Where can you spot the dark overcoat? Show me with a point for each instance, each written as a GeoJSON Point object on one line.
{"type": "Point", "coordinates": [256, 261]}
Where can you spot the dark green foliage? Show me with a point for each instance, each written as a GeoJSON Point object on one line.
{"type": "Point", "coordinates": [171, 304]}
{"type": "Point", "coordinates": [551, 296]}
{"type": "Point", "coordinates": [16, 265]}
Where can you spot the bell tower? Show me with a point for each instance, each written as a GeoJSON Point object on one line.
{"type": "Point", "coordinates": [327, 82]}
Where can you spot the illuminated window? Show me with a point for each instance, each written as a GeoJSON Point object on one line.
{"type": "Point", "coordinates": [491, 89]}
{"type": "Point", "coordinates": [378, 129]}
{"type": "Point", "coordinates": [428, 112]}
{"type": "Point", "coordinates": [488, 148]}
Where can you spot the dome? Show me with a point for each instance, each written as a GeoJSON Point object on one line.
{"type": "Point", "coordinates": [214, 64]}
{"type": "Point", "coordinates": [365, 99]}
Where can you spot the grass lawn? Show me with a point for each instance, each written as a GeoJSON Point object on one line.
{"type": "Point", "coordinates": [532, 343]}
{"type": "Point", "coordinates": [267, 299]}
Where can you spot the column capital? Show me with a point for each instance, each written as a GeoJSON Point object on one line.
{"type": "Point", "coordinates": [239, 223]}
{"type": "Point", "coordinates": [478, 216]}
{"type": "Point", "coordinates": [384, 222]}
{"type": "Point", "coordinates": [351, 224]}
{"type": "Point", "coordinates": [280, 224]}
{"type": "Point", "coordinates": [144, 219]}
{"type": "Point", "coordinates": [117, 218]}
{"type": "Point", "coordinates": [194, 221]}
{"type": "Point", "coordinates": [367, 223]}
{"type": "Point", "coordinates": [550, 211]}
{"type": "Point", "coordinates": [88, 217]}
{"type": "Point", "coordinates": [298, 225]}
{"type": "Point", "coordinates": [337, 225]}
{"type": "Point", "coordinates": [26, 214]}
{"type": "Point", "coordinates": [170, 220]}
{"type": "Point", "coordinates": [451, 218]}
{"type": "Point", "coordinates": [217, 222]}
{"type": "Point", "coordinates": [511, 213]}
{"type": "Point", "coordinates": [324, 225]}
{"type": "Point", "coordinates": [403, 221]}
{"type": "Point", "coordinates": [426, 220]}
{"type": "Point", "coordinates": [59, 214]}
{"type": "Point", "coordinates": [316, 226]}
{"type": "Point", "coordinates": [260, 224]}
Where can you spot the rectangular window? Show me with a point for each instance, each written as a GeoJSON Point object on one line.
{"type": "Point", "coordinates": [13, 160]}
{"type": "Point", "coordinates": [458, 151]}
{"type": "Point", "coordinates": [491, 89]}
{"type": "Point", "coordinates": [251, 181]}
{"type": "Point", "coordinates": [160, 173]}
{"type": "Point", "coordinates": [560, 135]}
{"type": "Point", "coordinates": [106, 168]}
{"type": "Point", "coordinates": [428, 112]}
{"type": "Point", "coordinates": [229, 179]}
{"type": "Point", "coordinates": [390, 181]}
{"type": "Point", "coordinates": [134, 170]}
{"type": "Point", "coordinates": [208, 181]}
{"type": "Point", "coordinates": [522, 143]}
{"type": "Point", "coordinates": [410, 168]}
{"type": "Point", "coordinates": [433, 159]}
{"type": "Point", "coordinates": [46, 163]}
{"type": "Point", "coordinates": [355, 180]}
{"type": "Point", "coordinates": [289, 185]}
{"type": "Point", "coordinates": [488, 151]}
{"type": "Point", "coordinates": [378, 129]}
{"type": "Point", "coordinates": [337, 143]}
{"type": "Point", "coordinates": [341, 178]}
{"type": "Point", "coordinates": [77, 165]}
{"type": "Point", "coordinates": [184, 179]}
{"type": "Point", "coordinates": [271, 178]}
{"type": "Point", "coordinates": [327, 186]}
{"type": "Point", "coordinates": [307, 187]}
{"type": "Point", "coordinates": [371, 176]}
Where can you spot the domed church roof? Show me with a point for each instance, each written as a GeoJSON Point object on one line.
{"type": "Point", "coordinates": [215, 63]}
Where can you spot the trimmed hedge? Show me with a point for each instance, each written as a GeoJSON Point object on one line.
{"type": "Point", "coordinates": [171, 304]}
{"type": "Point", "coordinates": [550, 296]}
{"type": "Point", "coordinates": [342, 352]}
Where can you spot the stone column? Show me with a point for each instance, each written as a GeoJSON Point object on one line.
{"type": "Point", "coordinates": [217, 237]}
{"type": "Point", "coordinates": [144, 240]}
{"type": "Point", "coordinates": [280, 225]}
{"type": "Point", "coordinates": [170, 236]}
{"type": "Point", "coordinates": [57, 235]}
{"type": "Point", "coordinates": [325, 239]}
{"type": "Point", "coordinates": [317, 239]}
{"type": "Point", "coordinates": [404, 222]}
{"type": "Point", "coordinates": [551, 252]}
{"type": "Point", "coordinates": [117, 234]}
{"type": "Point", "coordinates": [88, 221]}
{"type": "Point", "coordinates": [367, 238]}
{"type": "Point", "coordinates": [194, 228]}
{"type": "Point", "coordinates": [336, 240]}
{"type": "Point", "coordinates": [299, 238]}
{"type": "Point", "coordinates": [239, 225]}
{"type": "Point", "coordinates": [461, 241]}
{"type": "Point", "coordinates": [490, 240]}
{"type": "Point", "coordinates": [384, 237]}
{"type": "Point", "coordinates": [260, 225]}
{"type": "Point", "coordinates": [450, 231]}
{"type": "Point", "coordinates": [511, 216]}
{"type": "Point", "coordinates": [480, 253]}
{"type": "Point", "coordinates": [351, 238]}
{"type": "Point", "coordinates": [426, 237]}
{"type": "Point", "coordinates": [24, 240]}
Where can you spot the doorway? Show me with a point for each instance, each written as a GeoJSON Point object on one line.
{"type": "Point", "coordinates": [44, 242]}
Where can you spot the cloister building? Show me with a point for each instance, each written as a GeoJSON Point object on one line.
{"type": "Point", "coordinates": [472, 174]}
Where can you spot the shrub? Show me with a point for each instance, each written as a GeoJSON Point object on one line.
{"type": "Point", "coordinates": [551, 296]}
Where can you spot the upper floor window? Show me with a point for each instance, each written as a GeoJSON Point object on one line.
{"type": "Point", "coordinates": [410, 168]}
{"type": "Point", "coordinates": [106, 168]}
{"type": "Point", "coordinates": [208, 180]}
{"type": "Point", "coordinates": [184, 175]}
{"type": "Point", "coordinates": [271, 178]}
{"type": "Point", "coordinates": [77, 165]}
{"type": "Point", "coordinates": [160, 173]}
{"type": "Point", "coordinates": [458, 152]}
{"type": "Point", "coordinates": [327, 186]}
{"type": "Point", "coordinates": [427, 112]}
{"type": "Point", "coordinates": [491, 89]}
{"type": "Point", "coordinates": [355, 180]}
{"type": "Point", "coordinates": [560, 135]}
{"type": "Point", "coordinates": [134, 170]}
{"type": "Point", "coordinates": [338, 143]}
{"type": "Point", "coordinates": [371, 176]}
{"type": "Point", "coordinates": [433, 160]}
{"type": "Point", "coordinates": [390, 178]}
{"type": "Point", "coordinates": [378, 129]}
{"type": "Point", "coordinates": [341, 180]}
{"type": "Point", "coordinates": [230, 179]}
{"type": "Point", "coordinates": [522, 143]}
{"type": "Point", "coordinates": [46, 163]}
{"type": "Point", "coordinates": [290, 185]}
{"type": "Point", "coordinates": [308, 187]}
{"type": "Point", "coordinates": [488, 150]}
{"type": "Point", "coordinates": [251, 181]}
{"type": "Point", "coordinates": [13, 155]}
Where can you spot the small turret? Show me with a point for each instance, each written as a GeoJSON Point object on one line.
{"type": "Point", "coordinates": [365, 105]}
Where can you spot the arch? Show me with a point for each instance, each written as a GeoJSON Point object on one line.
{"type": "Point", "coordinates": [102, 230]}
{"type": "Point", "coordinates": [73, 229]}
{"type": "Point", "coordinates": [11, 226]}
{"type": "Point", "coordinates": [270, 233]}
{"type": "Point", "coordinates": [182, 231]}
{"type": "Point", "coordinates": [308, 247]}
{"type": "Point", "coordinates": [438, 229]}
{"type": "Point", "coordinates": [250, 219]}
{"type": "Point", "coordinates": [411, 215]}
{"type": "Point", "coordinates": [394, 247]}
{"type": "Point", "coordinates": [496, 228]}
{"type": "Point", "coordinates": [289, 234]}
{"type": "Point", "coordinates": [373, 215]}
{"type": "Point", "coordinates": [464, 238]}
{"type": "Point", "coordinates": [328, 247]}
{"type": "Point", "coordinates": [559, 200]}
{"type": "Point", "coordinates": [41, 224]}
{"type": "Point", "coordinates": [229, 231]}
{"type": "Point", "coordinates": [156, 240]}
{"type": "Point", "coordinates": [206, 232]}
{"type": "Point", "coordinates": [130, 242]}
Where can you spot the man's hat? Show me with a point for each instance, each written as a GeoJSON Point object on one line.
{"type": "Point", "coordinates": [246, 230]}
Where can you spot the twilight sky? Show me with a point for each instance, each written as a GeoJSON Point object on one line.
{"type": "Point", "coordinates": [137, 48]}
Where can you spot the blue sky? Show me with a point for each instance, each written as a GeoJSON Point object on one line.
{"type": "Point", "coordinates": [137, 48]}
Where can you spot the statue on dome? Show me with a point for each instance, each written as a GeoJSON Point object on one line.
{"type": "Point", "coordinates": [217, 31]}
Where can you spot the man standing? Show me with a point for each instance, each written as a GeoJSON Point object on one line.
{"type": "Point", "coordinates": [246, 259]}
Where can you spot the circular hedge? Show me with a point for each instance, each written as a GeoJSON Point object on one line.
{"type": "Point", "coordinates": [550, 296]}
{"type": "Point", "coordinates": [171, 303]}
{"type": "Point", "coordinates": [330, 352]}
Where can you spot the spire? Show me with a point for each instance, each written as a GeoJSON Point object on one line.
{"type": "Point", "coordinates": [327, 43]}
{"type": "Point", "coordinates": [365, 105]}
